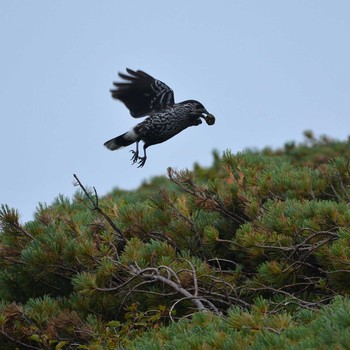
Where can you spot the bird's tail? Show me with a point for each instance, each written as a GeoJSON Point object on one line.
{"type": "Point", "coordinates": [123, 140]}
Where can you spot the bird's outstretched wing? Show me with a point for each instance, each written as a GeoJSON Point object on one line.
{"type": "Point", "coordinates": [142, 94]}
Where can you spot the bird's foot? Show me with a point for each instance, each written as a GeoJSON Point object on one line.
{"type": "Point", "coordinates": [142, 161]}
{"type": "Point", "coordinates": [135, 156]}
{"type": "Point", "coordinates": [136, 159]}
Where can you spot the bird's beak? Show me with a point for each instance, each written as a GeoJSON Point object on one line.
{"type": "Point", "coordinates": [209, 118]}
{"type": "Point", "coordinates": [199, 113]}
{"type": "Point", "coordinates": [203, 113]}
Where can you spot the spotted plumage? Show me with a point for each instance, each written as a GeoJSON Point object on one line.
{"type": "Point", "coordinates": [144, 95]}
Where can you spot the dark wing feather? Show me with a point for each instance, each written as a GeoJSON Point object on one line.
{"type": "Point", "coordinates": [142, 94]}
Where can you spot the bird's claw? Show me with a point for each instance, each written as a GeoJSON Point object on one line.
{"type": "Point", "coordinates": [135, 156]}
{"type": "Point", "coordinates": [136, 159]}
{"type": "Point", "coordinates": [142, 161]}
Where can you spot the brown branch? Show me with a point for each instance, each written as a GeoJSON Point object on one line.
{"type": "Point", "coordinates": [18, 342]}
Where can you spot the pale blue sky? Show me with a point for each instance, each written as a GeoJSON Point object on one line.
{"type": "Point", "coordinates": [268, 70]}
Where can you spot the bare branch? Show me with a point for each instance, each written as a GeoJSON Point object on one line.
{"type": "Point", "coordinates": [96, 207]}
{"type": "Point", "coordinates": [23, 345]}
{"type": "Point", "coordinates": [195, 282]}
{"type": "Point", "coordinates": [154, 274]}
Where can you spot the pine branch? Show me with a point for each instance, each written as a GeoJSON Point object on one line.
{"type": "Point", "coordinates": [10, 218]}
{"type": "Point", "coordinates": [206, 198]}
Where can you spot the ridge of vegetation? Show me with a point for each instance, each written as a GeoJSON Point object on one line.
{"type": "Point", "coordinates": [250, 253]}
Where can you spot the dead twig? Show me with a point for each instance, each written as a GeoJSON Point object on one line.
{"type": "Point", "coordinates": [96, 207]}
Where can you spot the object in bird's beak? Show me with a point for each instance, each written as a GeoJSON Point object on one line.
{"type": "Point", "coordinates": [210, 119]}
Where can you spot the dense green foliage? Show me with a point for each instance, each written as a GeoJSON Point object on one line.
{"type": "Point", "coordinates": [249, 253]}
{"type": "Point", "coordinates": [258, 329]}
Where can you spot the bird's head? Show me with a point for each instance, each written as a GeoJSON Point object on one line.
{"type": "Point", "coordinates": [199, 111]}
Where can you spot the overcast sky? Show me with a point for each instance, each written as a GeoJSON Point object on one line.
{"type": "Point", "coordinates": [268, 70]}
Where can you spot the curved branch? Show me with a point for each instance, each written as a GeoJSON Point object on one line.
{"type": "Point", "coordinates": [152, 273]}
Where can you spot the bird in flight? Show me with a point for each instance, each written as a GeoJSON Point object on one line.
{"type": "Point", "coordinates": [144, 96]}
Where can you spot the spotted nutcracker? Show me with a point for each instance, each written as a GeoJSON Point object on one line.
{"type": "Point", "coordinates": [144, 95]}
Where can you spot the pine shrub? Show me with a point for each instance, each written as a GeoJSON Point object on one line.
{"type": "Point", "coordinates": [251, 253]}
